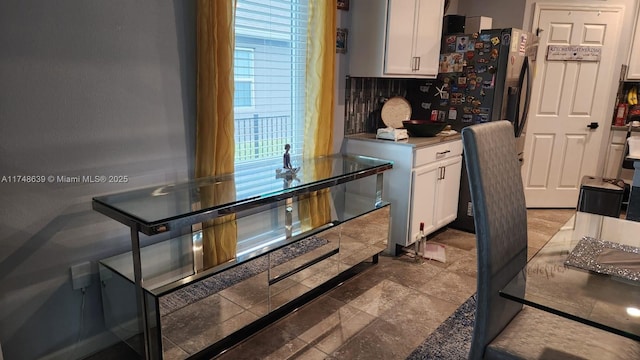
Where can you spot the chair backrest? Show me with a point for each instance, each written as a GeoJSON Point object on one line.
{"type": "Point", "coordinates": [500, 216]}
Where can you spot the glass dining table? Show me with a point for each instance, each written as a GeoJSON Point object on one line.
{"type": "Point", "coordinates": [589, 272]}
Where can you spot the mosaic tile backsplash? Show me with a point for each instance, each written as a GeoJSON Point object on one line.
{"type": "Point", "coordinates": [365, 97]}
{"type": "Point", "coordinates": [364, 100]}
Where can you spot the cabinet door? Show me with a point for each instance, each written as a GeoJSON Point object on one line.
{"type": "Point", "coordinates": [448, 188]}
{"type": "Point", "coordinates": [614, 160]}
{"type": "Point", "coordinates": [423, 199]}
{"type": "Point", "coordinates": [633, 71]}
{"type": "Point", "coordinates": [400, 37]}
{"type": "Point", "coordinates": [428, 36]}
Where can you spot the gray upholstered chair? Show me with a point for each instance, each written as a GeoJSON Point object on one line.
{"type": "Point", "coordinates": [503, 329]}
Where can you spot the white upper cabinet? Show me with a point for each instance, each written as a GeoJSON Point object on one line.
{"type": "Point", "coordinates": [633, 71]}
{"type": "Point", "coordinates": [395, 38]}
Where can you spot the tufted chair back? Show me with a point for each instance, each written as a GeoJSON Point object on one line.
{"type": "Point", "coordinates": [500, 217]}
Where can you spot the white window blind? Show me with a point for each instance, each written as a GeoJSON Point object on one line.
{"type": "Point", "coordinates": [269, 66]}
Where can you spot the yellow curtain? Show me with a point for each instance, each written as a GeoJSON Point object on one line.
{"type": "Point", "coordinates": [215, 145]}
{"type": "Point", "coordinates": [315, 209]}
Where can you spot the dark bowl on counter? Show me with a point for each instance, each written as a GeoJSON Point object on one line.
{"type": "Point", "coordinates": [423, 128]}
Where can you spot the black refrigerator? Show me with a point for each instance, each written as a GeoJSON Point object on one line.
{"type": "Point", "coordinates": [482, 77]}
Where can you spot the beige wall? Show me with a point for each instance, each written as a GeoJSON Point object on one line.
{"type": "Point", "coordinates": [505, 13]}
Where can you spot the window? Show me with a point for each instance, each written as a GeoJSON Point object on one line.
{"type": "Point", "coordinates": [243, 81]}
{"type": "Point", "coordinates": [269, 66]}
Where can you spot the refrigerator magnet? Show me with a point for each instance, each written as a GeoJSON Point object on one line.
{"type": "Point", "coordinates": [456, 98]}
{"type": "Point", "coordinates": [506, 39]}
{"type": "Point", "coordinates": [442, 115]}
{"type": "Point", "coordinates": [453, 114]}
{"type": "Point", "coordinates": [467, 110]}
{"type": "Point", "coordinates": [495, 41]}
{"type": "Point", "coordinates": [485, 37]}
{"type": "Point", "coordinates": [475, 35]}
{"type": "Point", "coordinates": [463, 43]}
{"type": "Point", "coordinates": [479, 45]}
{"type": "Point", "coordinates": [467, 118]}
{"type": "Point", "coordinates": [434, 115]}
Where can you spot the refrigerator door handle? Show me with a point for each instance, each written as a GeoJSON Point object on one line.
{"type": "Point", "coordinates": [513, 107]}
{"type": "Point", "coordinates": [527, 99]}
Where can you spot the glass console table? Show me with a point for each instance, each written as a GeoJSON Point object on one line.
{"type": "Point", "coordinates": [219, 258]}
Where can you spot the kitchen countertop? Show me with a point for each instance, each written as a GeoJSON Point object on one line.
{"type": "Point", "coordinates": [625, 128]}
{"type": "Point", "coordinates": [416, 142]}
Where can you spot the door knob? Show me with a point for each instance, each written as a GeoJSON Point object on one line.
{"type": "Point", "coordinates": [593, 125]}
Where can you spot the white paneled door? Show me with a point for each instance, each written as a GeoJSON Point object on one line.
{"type": "Point", "coordinates": [567, 97]}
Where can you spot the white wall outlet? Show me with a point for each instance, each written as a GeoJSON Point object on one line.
{"type": "Point", "coordinates": [81, 275]}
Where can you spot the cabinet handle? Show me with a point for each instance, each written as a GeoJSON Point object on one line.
{"type": "Point", "coordinates": [444, 172]}
{"type": "Point", "coordinates": [413, 63]}
{"type": "Point", "coordinates": [418, 66]}
{"type": "Point", "coordinates": [443, 152]}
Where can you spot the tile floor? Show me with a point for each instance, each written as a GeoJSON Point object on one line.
{"type": "Point", "coordinates": [388, 310]}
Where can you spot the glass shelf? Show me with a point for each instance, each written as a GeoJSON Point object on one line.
{"type": "Point", "coordinates": [173, 263]}
{"type": "Point", "coordinates": [162, 208]}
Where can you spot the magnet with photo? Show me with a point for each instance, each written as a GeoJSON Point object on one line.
{"type": "Point", "coordinates": [462, 82]}
{"type": "Point", "coordinates": [341, 40]}
{"type": "Point", "coordinates": [462, 43]}
{"type": "Point", "coordinates": [494, 54]}
{"type": "Point", "coordinates": [470, 55]}
{"type": "Point", "coordinates": [443, 65]}
{"type": "Point", "coordinates": [425, 105]}
{"type": "Point", "coordinates": [482, 69]}
{"type": "Point", "coordinates": [450, 43]}
{"type": "Point", "coordinates": [472, 84]}
{"type": "Point", "coordinates": [495, 41]}
{"type": "Point", "coordinates": [485, 37]}
{"type": "Point", "coordinates": [479, 45]}
{"type": "Point", "coordinates": [434, 115]}
{"type": "Point", "coordinates": [467, 110]}
{"type": "Point", "coordinates": [442, 115]}
{"type": "Point", "coordinates": [467, 118]}
{"type": "Point", "coordinates": [457, 62]}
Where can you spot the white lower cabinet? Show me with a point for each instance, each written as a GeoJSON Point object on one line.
{"type": "Point", "coordinates": [422, 187]}
{"type": "Point", "coordinates": [617, 141]}
{"type": "Point", "coordinates": [435, 188]}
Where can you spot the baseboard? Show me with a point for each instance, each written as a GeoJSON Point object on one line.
{"type": "Point", "coordinates": [83, 348]}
